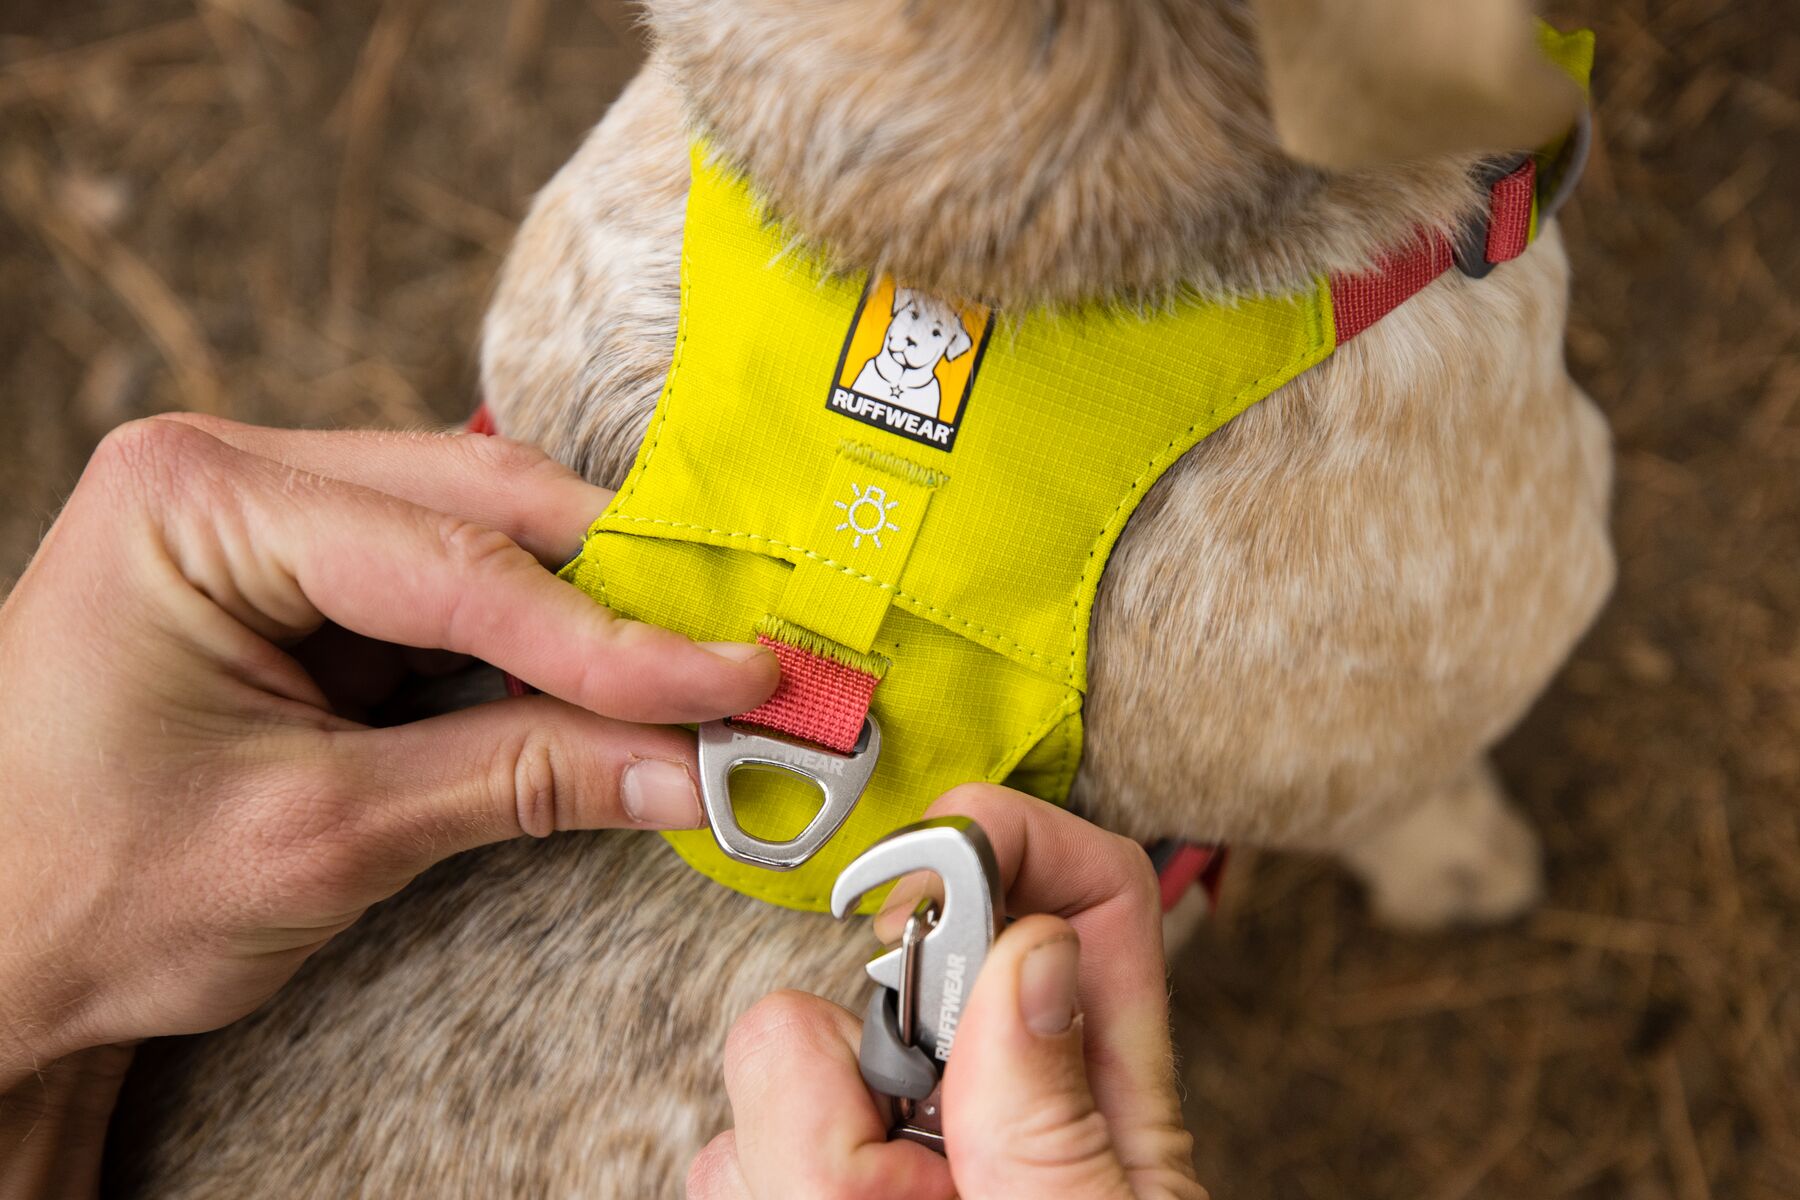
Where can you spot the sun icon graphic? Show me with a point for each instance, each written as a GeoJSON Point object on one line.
{"type": "Point", "coordinates": [866, 515]}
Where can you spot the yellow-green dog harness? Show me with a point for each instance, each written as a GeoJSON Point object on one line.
{"type": "Point", "coordinates": [912, 500]}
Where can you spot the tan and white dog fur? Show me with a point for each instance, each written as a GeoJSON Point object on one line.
{"type": "Point", "coordinates": [1311, 633]}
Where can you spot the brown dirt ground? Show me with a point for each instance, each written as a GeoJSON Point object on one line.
{"type": "Point", "coordinates": [293, 214]}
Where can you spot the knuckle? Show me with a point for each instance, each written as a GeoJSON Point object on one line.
{"type": "Point", "coordinates": [206, 423]}
{"type": "Point", "coordinates": [306, 833]}
{"type": "Point", "coordinates": [473, 547]}
{"type": "Point", "coordinates": [1065, 1145]}
{"type": "Point", "coordinates": [1135, 873]}
{"type": "Point", "coordinates": [777, 1023]}
{"type": "Point", "coordinates": [152, 450]}
{"type": "Point", "coordinates": [175, 469]}
{"type": "Point", "coordinates": [1062, 1131]}
{"type": "Point", "coordinates": [481, 557]}
{"type": "Point", "coordinates": [529, 781]}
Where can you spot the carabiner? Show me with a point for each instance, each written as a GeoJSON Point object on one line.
{"type": "Point", "coordinates": [910, 1025]}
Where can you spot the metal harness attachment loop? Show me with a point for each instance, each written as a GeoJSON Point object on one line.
{"type": "Point", "coordinates": [817, 725]}
{"type": "Point", "coordinates": [726, 747]}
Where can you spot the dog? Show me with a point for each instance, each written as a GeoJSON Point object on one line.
{"type": "Point", "coordinates": [923, 332]}
{"type": "Point", "coordinates": [1308, 636]}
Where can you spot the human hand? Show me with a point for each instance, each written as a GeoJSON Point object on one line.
{"type": "Point", "coordinates": [1062, 1083]}
{"type": "Point", "coordinates": [189, 812]}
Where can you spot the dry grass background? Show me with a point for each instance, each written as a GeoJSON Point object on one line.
{"type": "Point", "coordinates": [293, 214]}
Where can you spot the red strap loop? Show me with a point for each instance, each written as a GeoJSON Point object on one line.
{"type": "Point", "coordinates": [481, 421]}
{"type": "Point", "coordinates": [1358, 301]}
{"type": "Point", "coordinates": [818, 700]}
{"type": "Point", "coordinates": [1509, 213]}
{"type": "Point", "coordinates": [1189, 863]}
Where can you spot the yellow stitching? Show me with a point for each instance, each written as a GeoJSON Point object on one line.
{"type": "Point", "coordinates": [913, 602]}
{"type": "Point", "coordinates": [896, 465]}
{"type": "Point", "coordinates": [1286, 373]}
{"type": "Point", "coordinates": [1009, 762]}
{"type": "Point", "coordinates": [822, 647]}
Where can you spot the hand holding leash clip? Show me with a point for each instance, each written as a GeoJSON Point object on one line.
{"type": "Point", "coordinates": [910, 1024]}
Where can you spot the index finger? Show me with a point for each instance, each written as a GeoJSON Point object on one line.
{"type": "Point", "coordinates": [493, 481]}
{"type": "Point", "coordinates": [1052, 861]}
{"type": "Point", "coordinates": [281, 550]}
{"type": "Point", "coordinates": [806, 1123]}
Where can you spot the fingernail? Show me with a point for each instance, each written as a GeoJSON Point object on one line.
{"type": "Point", "coordinates": [1047, 986]}
{"type": "Point", "coordinates": [736, 652]}
{"type": "Point", "coordinates": [660, 795]}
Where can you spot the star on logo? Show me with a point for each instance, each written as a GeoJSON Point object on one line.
{"type": "Point", "coordinates": [866, 515]}
{"type": "Point", "coordinates": [894, 390]}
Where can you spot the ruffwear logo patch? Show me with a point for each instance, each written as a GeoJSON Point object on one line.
{"type": "Point", "coordinates": [909, 362]}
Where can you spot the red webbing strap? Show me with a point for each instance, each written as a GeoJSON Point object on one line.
{"type": "Point", "coordinates": [1181, 865]}
{"type": "Point", "coordinates": [1358, 301]}
{"type": "Point", "coordinates": [818, 699]}
{"type": "Point", "coordinates": [481, 421]}
{"type": "Point", "coordinates": [1509, 213]}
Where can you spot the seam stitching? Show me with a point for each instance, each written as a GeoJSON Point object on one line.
{"type": "Point", "coordinates": [1187, 441]}
{"type": "Point", "coordinates": [917, 604]}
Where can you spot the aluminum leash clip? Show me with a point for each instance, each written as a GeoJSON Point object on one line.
{"type": "Point", "coordinates": [726, 748]}
{"type": "Point", "coordinates": [910, 1024]}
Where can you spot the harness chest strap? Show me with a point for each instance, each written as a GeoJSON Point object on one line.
{"type": "Point", "coordinates": [932, 550]}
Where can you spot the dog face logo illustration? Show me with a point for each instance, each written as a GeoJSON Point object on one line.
{"type": "Point", "coordinates": [909, 362]}
{"type": "Point", "coordinates": [923, 332]}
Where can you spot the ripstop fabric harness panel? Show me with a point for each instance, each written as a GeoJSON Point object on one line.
{"type": "Point", "coordinates": [913, 500]}
{"type": "Point", "coordinates": [971, 571]}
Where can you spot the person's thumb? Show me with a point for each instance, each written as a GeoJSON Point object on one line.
{"type": "Point", "coordinates": [533, 765]}
{"type": "Point", "coordinates": [1019, 1118]}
